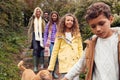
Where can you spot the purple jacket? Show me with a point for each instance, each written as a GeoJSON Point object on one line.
{"type": "Point", "coordinates": [54, 30]}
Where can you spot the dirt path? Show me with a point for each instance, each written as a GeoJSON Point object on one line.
{"type": "Point", "coordinates": [26, 55]}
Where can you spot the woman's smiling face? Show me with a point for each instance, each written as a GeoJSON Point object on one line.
{"type": "Point", "coordinates": [38, 13]}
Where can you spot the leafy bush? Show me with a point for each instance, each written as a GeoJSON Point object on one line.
{"type": "Point", "coordinates": [116, 20]}
{"type": "Point", "coordinates": [8, 69]}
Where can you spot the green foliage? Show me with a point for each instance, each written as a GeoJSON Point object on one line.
{"type": "Point", "coordinates": [11, 22]}
{"type": "Point", "coordinates": [8, 69]}
{"type": "Point", "coordinates": [80, 13]}
{"type": "Point", "coordinates": [11, 47]}
{"type": "Point", "coordinates": [11, 14]}
{"type": "Point", "coordinates": [82, 76]}
{"type": "Point", "coordinates": [116, 20]}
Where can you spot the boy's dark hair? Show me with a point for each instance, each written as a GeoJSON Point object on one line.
{"type": "Point", "coordinates": [97, 9]}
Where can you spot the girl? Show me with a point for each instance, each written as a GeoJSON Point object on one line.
{"type": "Point", "coordinates": [68, 45]}
{"type": "Point", "coordinates": [49, 35]}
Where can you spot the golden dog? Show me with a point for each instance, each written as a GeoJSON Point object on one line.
{"type": "Point", "coordinates": [28, 74]}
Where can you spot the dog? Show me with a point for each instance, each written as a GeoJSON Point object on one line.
{"type": "Point", "coordinates": [29, 74]}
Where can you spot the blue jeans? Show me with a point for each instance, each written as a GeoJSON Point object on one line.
{"type": "Point", "coordinates": [51, 48]}
{"type": "Point", "coordinates": [37, 49]}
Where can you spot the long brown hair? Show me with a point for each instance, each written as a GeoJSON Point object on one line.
{"type": "Point", "coordinates": [75, 28]}
{"type": "Point", "coordinates": [50, 18]}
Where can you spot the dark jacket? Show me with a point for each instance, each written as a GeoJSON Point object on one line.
{"type": "Point", "coordinates": [31, 29]}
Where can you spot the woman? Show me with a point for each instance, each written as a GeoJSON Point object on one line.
{"type": "Point", "coordinates": [35, 33]}
{"type": "Point", "coordinates": [49, 35]}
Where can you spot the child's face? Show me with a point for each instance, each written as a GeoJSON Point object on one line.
{"type": "Point", "coordinates": [54, 17]}
{"type": "Point", "coordinates": [101, 26]}
{"type": "Point", "coordinates": [69, 22]}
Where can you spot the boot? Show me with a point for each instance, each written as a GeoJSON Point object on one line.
{"type": "Point", "coordinates": [41, 62]}
{"type": "Point", "coordinates": [46, 63]}
{"type": "Point", "coordinates": [55, 68]}
{"type": "Point", "coordinates": [55, 75]}
{"type": "Point", "coordinates": [35, 63]}
{"type": "Point", "coordinates": [42, 66]}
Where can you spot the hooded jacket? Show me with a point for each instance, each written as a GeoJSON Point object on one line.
{"type": "Point", "coordinates": [90, 49]}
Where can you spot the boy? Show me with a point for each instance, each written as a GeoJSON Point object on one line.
{"type": "Point", "coordinates": [101, 57]}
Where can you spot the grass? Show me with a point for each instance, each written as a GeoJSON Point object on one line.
{"type": "Point", "coordinates": [10, 49]}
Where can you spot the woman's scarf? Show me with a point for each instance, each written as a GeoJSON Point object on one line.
{"type": "Point", "coordinates": [38, 30]}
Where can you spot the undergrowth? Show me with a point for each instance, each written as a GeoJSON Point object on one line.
{"type": "Point", "coordinates": [10, 48]}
